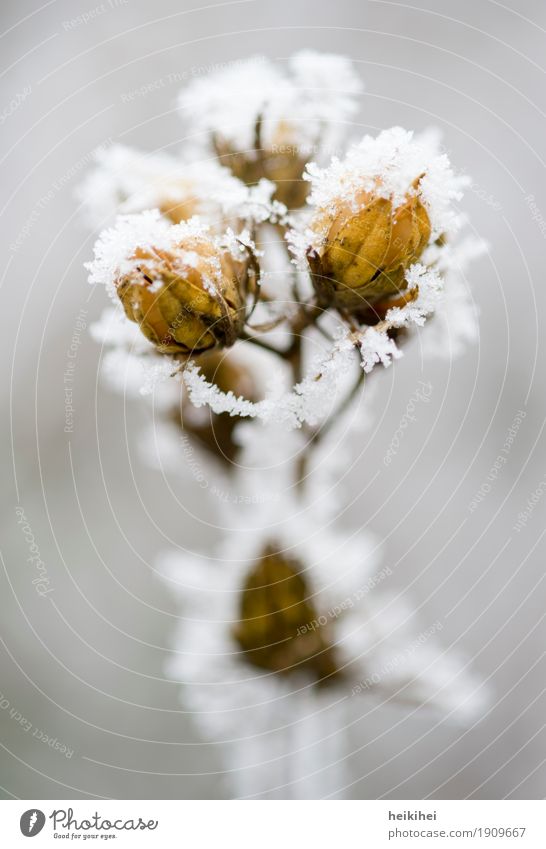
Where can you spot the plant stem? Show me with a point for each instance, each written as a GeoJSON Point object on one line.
{"type": "Point", "coordinates": [316, 436]}
{"type": "Point", "coordinates": [345, 404]}
{"type": "Point", "coordinates": [266, 347]}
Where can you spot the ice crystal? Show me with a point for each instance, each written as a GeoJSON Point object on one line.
{"type": "Point", "coordinates": [308, 402]}
{"type": "Point", "coordinates": [376, 347]}
{"type": "Point", "coordinates": [429, 287]}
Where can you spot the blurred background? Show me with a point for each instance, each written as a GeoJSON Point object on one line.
{"type": "Point", "coordinates": [85, 708]}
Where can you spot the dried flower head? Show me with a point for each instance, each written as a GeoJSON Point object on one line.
{"type": "Point", "coordinates": [366, 253]}
{"type": "Point", "coordinates": [375, 212]}
{"type": "Point", "coordinates": [265, 122]}
{"type": "Point", "coordinates": [277, 618]}
{"type": "Point", "coordinates": [280, 161]}
{"type": "Point", "coordinates": [186, 289]}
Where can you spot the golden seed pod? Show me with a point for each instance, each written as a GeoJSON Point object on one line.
{"type": "Point", "coordinates": [280, 161]}
{"type": "Point", "coordinates": [279, 628]}
{"type": "Point", "coordinates": [214, 431]}
{"type": "Point", "coordinates": [187, 299]}
{"type": "Point", "coordinates": [366, 254]}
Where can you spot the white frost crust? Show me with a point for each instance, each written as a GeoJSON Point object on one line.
{"type": "Point", "coordinates": [388, 166]}
{"type": "Point", "coordinates": [115, 248]}
{"type": "Point", "coordinates": [308, 401]}
{"type": "Point", "coordinates": [125, 180]}
{"type": "Point", "coordinates": [307, 106]}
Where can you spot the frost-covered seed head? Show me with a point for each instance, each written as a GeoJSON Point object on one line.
{"type": "Point", "coordinates": [126, 180]}
{"type": "Point", "coordinates": [265, 121]}
{"type": "Point", "coordinates": [184, 287]}
{"type": "Point", "coordinates": [375, 213]}
{"type": "Point", "coordinates": [185, 300]}
{"type": "Point", "coordinates": [281, 162]}
{"type": "Point", "coordinates": [366, 253]}
{"type": "Point", "coordinates": [279, 629]}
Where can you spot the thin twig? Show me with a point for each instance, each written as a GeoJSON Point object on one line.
{"type": "Point", "coordinates": [268, 325]}
{"type": "Point", "coordinates": [345, 404]}
{"type": "Point", "coordinates": [260, 344]}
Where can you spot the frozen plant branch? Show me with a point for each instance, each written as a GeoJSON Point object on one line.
{"type": "Point", "coordinates": [257, 281]}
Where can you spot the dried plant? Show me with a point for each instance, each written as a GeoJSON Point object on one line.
{"type": "Point", "coordinates": [256, 285]}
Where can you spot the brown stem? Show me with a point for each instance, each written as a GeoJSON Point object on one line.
{"type": "Point", "coordinates": [316, 436]}
{"type": "Point", "coordinates": [295, 360]}
{"type": "Point", "coordinates": [294, 357]}
{"type": "Point", "coordinates": [305, 316]}
{"type": "Point", "coordinates": [264, 345]}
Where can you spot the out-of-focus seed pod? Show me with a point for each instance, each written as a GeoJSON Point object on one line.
{"type": "Point", "coordinates": [178, 201]}
{"type": "Point", "coordinates": [279, 629]}
{"type": "Point", "coordinates": [280, 160]}
{"type": "Point", "coordinates": [368, 247]}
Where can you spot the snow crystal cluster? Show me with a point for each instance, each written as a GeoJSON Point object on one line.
{"type": "Point", "coordinates": [308, 402]}
{"type": "Point", "coordinates": [306, 105]}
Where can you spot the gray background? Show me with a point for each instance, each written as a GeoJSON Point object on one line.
{"type": "Point", "coordinates": [85, 664]}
